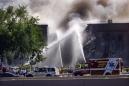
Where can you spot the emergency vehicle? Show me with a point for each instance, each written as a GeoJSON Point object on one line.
{"type": "Point", "coordinates": [46, 71]}
{"type": "Point", "coordinates": [102, 66]}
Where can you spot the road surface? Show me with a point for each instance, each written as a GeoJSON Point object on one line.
{"type": "Point", "coordinates": [67, 81]}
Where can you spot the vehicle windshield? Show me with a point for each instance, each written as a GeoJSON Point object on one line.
{"type": "Point", "coordinates": [42, 70]}
{"type": "Point", "coordinates": [51, 69]}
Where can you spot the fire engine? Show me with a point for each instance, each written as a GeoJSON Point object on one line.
{"type": "Point", "coordinates": [103, 66]}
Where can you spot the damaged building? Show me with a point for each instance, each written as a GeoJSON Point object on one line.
{"type": "Point", "coordinates": [111, 41]}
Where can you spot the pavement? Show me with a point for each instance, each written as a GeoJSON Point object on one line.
{"type": "Point", "coordinates": [67, 81]}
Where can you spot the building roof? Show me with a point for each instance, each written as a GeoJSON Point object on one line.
{"type": "Point", "coordinates": [109, 27]}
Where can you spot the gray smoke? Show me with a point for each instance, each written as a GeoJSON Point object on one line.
{"type": "Point", "coordinates": [111, 9]}
{"type": "Point", "coordinates": [4, 3]}
{"type": "Point", "coordinates": [78, 9]}
{"type": "Point", "coordinates": [37, 6]}
{"type": "Point", "coordinates": [58, 12]}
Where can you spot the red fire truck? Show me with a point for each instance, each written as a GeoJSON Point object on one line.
{"type": "Point", "coordinates": [103, 66]}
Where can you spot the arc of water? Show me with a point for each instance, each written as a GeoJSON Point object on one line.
{"type": "Point", "coordinates": [60, 55]}
{"type": "Point", "coordinates": [59, 50]}
{"type": "Point", "coordinates": [81, 47]}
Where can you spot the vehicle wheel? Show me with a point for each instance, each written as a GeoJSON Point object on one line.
{"type": "Point", "coordinates": [29, 75]}
{"type": "Point", "coordinates": [108, 74]}
{"type": "Point", "coordinates": [81, 74]}
{"type": "Point", "coordinates": [75, 74]}
{"type": "Point", "coordinates": [48, 75]}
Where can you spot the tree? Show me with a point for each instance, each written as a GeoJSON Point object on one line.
{"type": "Point", "coordinates": [20, 36]}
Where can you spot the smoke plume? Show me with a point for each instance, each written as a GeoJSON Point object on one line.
{"type": "Point", "coordinates": [58, 12]}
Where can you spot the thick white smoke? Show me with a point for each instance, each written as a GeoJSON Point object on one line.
{"type": "Point", "coordinates": [111, 9]}
{"type": "Point", "coordinates": [53, 12]}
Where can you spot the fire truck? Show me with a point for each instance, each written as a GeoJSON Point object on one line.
{"type": "Point", "coordinates": [103, 66]}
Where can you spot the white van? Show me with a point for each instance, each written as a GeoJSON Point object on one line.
{"type": "Point", "coordinates": [46, 71]}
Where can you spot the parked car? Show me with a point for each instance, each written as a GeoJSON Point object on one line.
{"type": "Point", "coordinates": [8, 74]}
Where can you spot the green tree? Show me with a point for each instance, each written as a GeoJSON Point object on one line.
{"type": "Point", "coordinates": [20, 36]}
